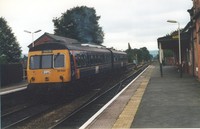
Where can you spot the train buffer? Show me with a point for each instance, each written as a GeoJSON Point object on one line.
{"type": "Point", "coordinates": [13, 87]}
{"type": "Point", "coordinates": [152, 101]}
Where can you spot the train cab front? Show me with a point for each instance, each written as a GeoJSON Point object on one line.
{"type": "Point", "coordinates": [48, 69]}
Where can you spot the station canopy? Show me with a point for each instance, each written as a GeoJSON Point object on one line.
{"type": "Point", "coordinates": [172, 42]}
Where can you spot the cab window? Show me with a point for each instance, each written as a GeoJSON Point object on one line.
{"type": "Point", "coordinates": [35, 62]}
{"type": "Point", "coordinates": [59, 61]}
{"type": "Point", "coordinates": [46, 61]}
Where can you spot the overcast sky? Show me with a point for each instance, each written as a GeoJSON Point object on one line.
{"type": "Point", "coordinates": [138, 22]}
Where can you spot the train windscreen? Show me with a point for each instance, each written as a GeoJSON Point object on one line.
{"type": "Point", "coordinates": [35, 62]}
{"type": "Point", "coordinates": [47, 61]}
{"type": "Point", "coordinates": [58, 61]}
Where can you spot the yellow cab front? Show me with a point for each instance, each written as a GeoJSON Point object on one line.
{"type": "Point", "coordinates": [48, 66]}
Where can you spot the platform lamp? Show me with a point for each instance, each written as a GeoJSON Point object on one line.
{"type": "Point", "coordinates": [32, 33]}
{"type": "Point", "coordinates": [179, 44]}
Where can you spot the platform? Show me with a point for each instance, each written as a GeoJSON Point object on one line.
{"type": "Point", "coordinates": [14, 87]}
{"type": "Point", "coordinates": [167, 102]}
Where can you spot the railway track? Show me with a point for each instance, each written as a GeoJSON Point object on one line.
{"type": "Point", "coordinates": [15, 118]}
{"type": "Point", "coordinates": [22, 114]}
{"type": "Point", "coordinates": [16, 114]}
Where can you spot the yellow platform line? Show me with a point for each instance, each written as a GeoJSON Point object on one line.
{"type": "Point", "coordinates": [127, 116]}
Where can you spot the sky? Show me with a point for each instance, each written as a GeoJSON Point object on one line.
{"type": "Point", "coordinates": [138, 22]}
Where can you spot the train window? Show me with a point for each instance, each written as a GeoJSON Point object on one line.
{"type": "Point", "coordinates": [115, 58]}
{"type": "Point", "coordinates": [78, 60]}
{"type": "Point", "coordinates": [97, 59]}
{"type": "Point", "coordinates": [35, 62]}
{"type": "Point", "coordinates": [84, 61]}
{"type": "Point", "coordinates": [103, 58]}
{"type": "Point", "coordinates": [59, 61]}
{"type": "Point", "coordinates": [91, 59]}
{"type": "Point", "coordinates": [46, 61]}
{"type": "Point", "coordinates": [107, 58]}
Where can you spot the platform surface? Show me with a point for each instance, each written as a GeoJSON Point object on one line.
{"type": "Point", "coordinates": [155, 102]}
{"type": "Point", "coordinates": [13, 87]}
{"type": "Point", "coordinates": [169, 102]}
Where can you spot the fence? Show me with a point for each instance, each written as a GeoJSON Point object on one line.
{"type": "Point", "coordinates": [10, 73]}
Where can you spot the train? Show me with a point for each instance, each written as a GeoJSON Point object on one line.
{"type": "Point", "coordinates": [53, 64]}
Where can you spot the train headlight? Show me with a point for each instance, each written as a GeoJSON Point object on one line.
{"type": "Point", "coordinates": [46, 79]}
{"type": "Point", "coordinates": [33, 79]}
{"type": "Point", "coordinates": [62, 78]}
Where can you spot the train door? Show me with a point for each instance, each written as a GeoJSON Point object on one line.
{"type": "Point", "coordinates": [73, 77]}
{"type": "Point", "coordinates": [75, 72]}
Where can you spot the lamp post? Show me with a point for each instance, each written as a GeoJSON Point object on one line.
{"type": "Point", "coordinates": [32, 33]}
{"type": "Point", "coordinates": [179, 44]}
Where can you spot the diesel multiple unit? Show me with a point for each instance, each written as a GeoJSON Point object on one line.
{"type": "Point", "coordinates": [60, 62]}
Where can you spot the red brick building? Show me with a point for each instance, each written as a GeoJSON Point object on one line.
{"type": "Point", "coordinates": [190, 43]}
{"type": "Point", "coordinates": [46, 37]}
{"type": "Point", "coordinates": [195, 39]}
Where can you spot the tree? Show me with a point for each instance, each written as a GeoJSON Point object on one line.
{"type": "Point", "coordinates": [80, 23]}
{"type": "Point", "coordinates": [138, 55]}
{"type": "Point", "coordinates": [145, 54]}
{"type": "Point", "coordinates": [10, 50]}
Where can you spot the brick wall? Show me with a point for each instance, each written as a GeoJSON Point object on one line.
{"type": "Point", "coordinates": [43, 40]}
{"type": "Point", "coordinates": [196, 4]}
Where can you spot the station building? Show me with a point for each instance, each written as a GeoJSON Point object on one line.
{"type": "Point", "coordinates": [195, 37]}
{"type": "Point", "coordinates": [46, 37]}
{"type": "Point", "coordinates": [190, 44]}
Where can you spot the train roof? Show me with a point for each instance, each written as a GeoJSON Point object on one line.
{"type": "Point", "coordinates": [69, 46]}
{"type": "Point", "coordinates": [117, 51]}
{"type": "Point", "coordinates": [58, 42]}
